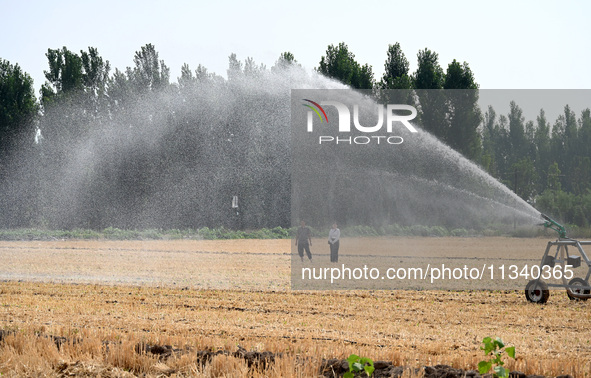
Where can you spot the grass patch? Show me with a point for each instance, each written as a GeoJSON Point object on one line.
{"type": "Point", "coordinates": [221, 233]}
{"type": "Point", "coordinates": [112, 233]}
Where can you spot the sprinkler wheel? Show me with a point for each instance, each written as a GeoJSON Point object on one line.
{"type": "Point", "coordinates": [536, 291]}
{"type": "Point", "coordinates": [577, 282]}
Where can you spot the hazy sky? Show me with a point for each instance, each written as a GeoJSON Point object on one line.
{"type": "Point", "coordinates": [508, 44]}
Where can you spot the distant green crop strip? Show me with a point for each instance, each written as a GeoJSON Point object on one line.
{"type": "Point", "coordinates": [222, 233]}
{"type": "Point", "coordinates": [113, 233]}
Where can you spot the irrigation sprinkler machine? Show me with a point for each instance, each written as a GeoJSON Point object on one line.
{"type": "Point", "coordinates": [564, 260]}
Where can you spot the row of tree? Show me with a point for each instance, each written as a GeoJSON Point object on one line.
{"type": "Point", "coordinates": [130, 149]}
{"type": "Point", "coordinates": [547, 163]}
{"type": "Point", "coordinates": [453, 118]}
{"type": "Point", "coordinates": [104, 148]}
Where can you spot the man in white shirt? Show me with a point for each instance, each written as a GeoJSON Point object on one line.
{"type": "Point", "coordinates": [333, 239]}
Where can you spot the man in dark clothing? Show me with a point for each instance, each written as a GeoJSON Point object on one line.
{"type": "Point", "coordinates": [304, 241]}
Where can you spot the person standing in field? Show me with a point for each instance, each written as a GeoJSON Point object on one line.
{"type": "Point", "coordinates": [333, 240]}
{"type": "Point", "coordinates": [304, 241]}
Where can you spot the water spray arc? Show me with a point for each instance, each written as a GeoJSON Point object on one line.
{"type": "Point", "coordinates": [388, 174]}
{"type": "Point", "coordinates": [174, 159]}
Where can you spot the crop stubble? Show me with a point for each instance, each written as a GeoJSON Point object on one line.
{"type": "Point", "coordinates": [198, 295]}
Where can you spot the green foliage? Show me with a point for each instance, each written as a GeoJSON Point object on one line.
{"type": "Point", "coordinates": [428, 84]}
{"type": "Point", "coordinates": [286, 60]}
{"type": "Point", "coordinates": [493, 352]}
{"type": "Point", "coordinates": [393, 229]}
{"type": "Point", "coordinates": [339, 63]}
{"type": "Point", "coordinates": [18, 107]}
{"type": "Point", "coordinates": [546, 162]}
{"type": "Point", "coordinates": [400, 230]}
{"type": "Point", "coordinates": [438, 231]}
{"type": "Point", "coordinates": [359, 364]}
{"type": "Point", "coordinates": [429, 74]}
{"type": "Point", "coordinates": [460, 232]}
{"type": "Point", "coordinates": [459, 76]}
{"type": "Point", "coordinates": [396, 76]}
{"type": "Point", "coordinates": [234, 67]}
{"type": "Point", "coordinates": [264, 233]}
{"type": "Point", "coordinates": [396, 70]}
{"type": "Point", "coordinates": [95, 70]}
{"type": "Point", "coordinates": [568, 208]}
{"type": "Point", "coordinates": [517, 139]}
{"type": "Point", "coordinates": [524, 178]}
{"type": "Point", "coordinates": [419, 230]}
{"type": "Point", "coordinates": [65, 72]}
{"type": "Point", "coordinates": [113, 233]}
{"type": "Point", "coordinates": [548, 165]}
{"type": "Point", "coordinates": [149, 72]}
{"type": "Point", "coordinates": [362, 231]}
{"type": "Point", "coordinates": [554, 177]}
{"type": "Point", "coordinates": [464, 114]}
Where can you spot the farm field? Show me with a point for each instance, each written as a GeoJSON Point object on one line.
{"type": "Point", "coordinates": [151, 308]}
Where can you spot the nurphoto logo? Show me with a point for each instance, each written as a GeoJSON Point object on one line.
{"type": "Point", "coordinates": [392, 115]}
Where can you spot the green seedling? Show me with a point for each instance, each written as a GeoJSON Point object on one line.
{"type": "Point", "coordinates": [494, 350]}
{"type": "Point", "coordinates": [358, 364]}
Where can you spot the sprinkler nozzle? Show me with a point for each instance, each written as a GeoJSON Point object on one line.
{"type": "Point", "coordinates": [551, 223]}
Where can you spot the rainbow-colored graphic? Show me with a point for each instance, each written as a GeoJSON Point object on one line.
{"type": "Point", "coordinates": [315, 110]}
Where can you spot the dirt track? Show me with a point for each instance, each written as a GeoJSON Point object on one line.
{"type": "Point", "coordinates": [200, 264]}
{"type": "Point", "coordinates": [223, 264]}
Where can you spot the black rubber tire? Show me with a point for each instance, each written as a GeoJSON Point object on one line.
{"type": "Point", "coordinates": [537, 291]}
{"type": "Point", "coordinates": [577, 282]}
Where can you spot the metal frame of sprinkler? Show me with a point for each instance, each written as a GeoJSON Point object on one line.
{"type": "Point", "coordinates": [537, 291]}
